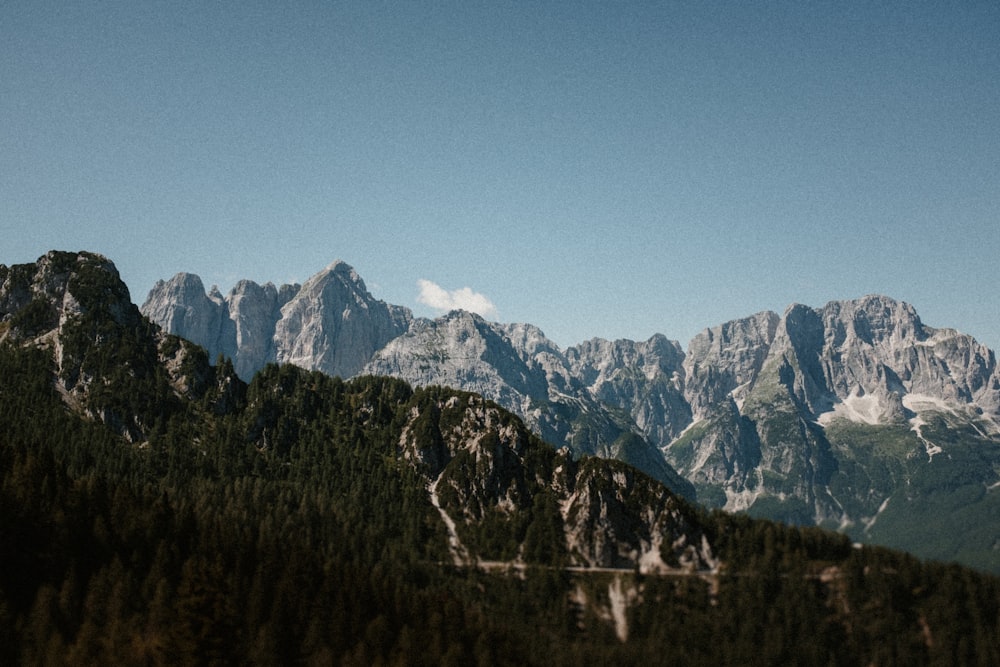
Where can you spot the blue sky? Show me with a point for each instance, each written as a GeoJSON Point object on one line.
{"type": "Point", "coordinates": [598, 169]}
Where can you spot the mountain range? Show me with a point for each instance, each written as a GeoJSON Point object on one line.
{"type": "Point", "coordinates": [854, 416]}
{"type": "Point", "coordinates": [157, 509]}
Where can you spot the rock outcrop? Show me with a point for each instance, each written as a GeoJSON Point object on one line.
{"type": "Point", "coordinates": [76, 306]}
{"type": "Point", "coordinates": [486, 472]}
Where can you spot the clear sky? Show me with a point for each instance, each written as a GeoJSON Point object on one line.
{"type": "Point", "coordinates": [600, 169]}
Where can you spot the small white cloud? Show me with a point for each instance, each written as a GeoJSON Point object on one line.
{"type": "Point", "coordinates": [438, 298]}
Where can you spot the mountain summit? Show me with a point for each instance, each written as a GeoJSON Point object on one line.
{"type": "Point", "coordinates": [331, 323]}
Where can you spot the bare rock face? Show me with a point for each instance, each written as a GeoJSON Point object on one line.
{"type": "Point", "coordinates": [181, 306]}
{"type": "Point", "coordinates": [879, 348]}
{"type": "Point", "coordinates": [485, 470]}
{"type": "Point", "coordinates": [724, 360]}
{"type": "Point", "coordinates": [334, 325]}
{"type": "Point", "coordinates": [248, 330]}
{"type": "Point", "coordinates": [465, 351]}
{"type": "Point", "coordinates": [785, 408]}
{"type": "Point", "coordinates": [331, 324]}
{"type": "Point", "coordinates": [824, 359]}
{"type": "Point", "coordinates": [643, 379]}
{"type": "Point", "coordinates": [239, 326]}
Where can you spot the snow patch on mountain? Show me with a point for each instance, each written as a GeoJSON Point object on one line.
{"type": "Point", "coordinates": [869, 522]}
{"type": "Point", "coordinates": [862, 409]}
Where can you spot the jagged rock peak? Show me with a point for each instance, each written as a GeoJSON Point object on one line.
{"type": "Point", "coordinates": [333, 324]}
{"type": "Point", "coordinates": [60, 284]}
{"type": "Point", "coordinates": [462, 349]}
{"type": "Point", "coordinates": [874, 320]}
{"type": "Point", "coordinates": [180, 305]}
{"type": "Point", "coordinates": [239, 325]}
{"type": "Point", "coordinates": [340, 266]}
{"type": "Point", "coordinates": [55, 268]}
{"type": "Point", "coordinates": [598, 358]}
{"type": "Point", "coordinates": [343, 271]}
{"type": "Point", "coordinates": [182, 282]}
{"type": "Point", "coordinates": [724, 360]}
{"type": "Point", "coordinates": [530, 340]}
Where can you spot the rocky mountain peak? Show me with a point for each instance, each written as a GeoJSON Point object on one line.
{"type": "Point", "coordinates": [341, 273]}
{"type": "Point", "coordinates": [462, 349]}
{"type": "Point", "coordinates": [333, 324]}
{"type": "Point", "coordinates": [76, 306]}
{"type": "Point", "coordinates": [873, 320]}
{"type": "Point", "coordinates": [723, 361]}
{"type": "Point", "coordinates": [180, 306]}
{"type": "Point", "coordinates": [37, 299]}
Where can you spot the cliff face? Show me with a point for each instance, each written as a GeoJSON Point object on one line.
{"type": "Point", "coordinates": [331, 324]}
{"type": "Point", "coordinates": [76, 306]}
{"type": "Point", "coordinates": [643, 379]}
{"type": "Point", "coordinates": [851, 416]}
{"type": "Point", "coordinates": [334, 325]}
{"type": "Point", "coordinates": [723, 361]}
{"type": "Point", "coordinates": [486, 472]}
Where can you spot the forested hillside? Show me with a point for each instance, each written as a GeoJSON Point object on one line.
{"type": "Point", "coordinates": [155, 509]}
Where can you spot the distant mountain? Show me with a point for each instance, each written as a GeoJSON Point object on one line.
{"type": "Point", "coordinates": [855, 416]}
{"type": "Point", "coordinates": [331, 324]}
{"type": "Point", "coordinates": [334, 325]}
{"type": "Point", "coordinates": [516, 366]}
{"type": "Point", "coordinates": [159, 510]}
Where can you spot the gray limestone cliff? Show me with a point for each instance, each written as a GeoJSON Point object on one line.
{"type": "Point", "coordinates": [838, 415]}
{"type": "Point", "coordinates": [239, 326]}
{"type": "Point", "coordinates": [722, 361]}
{"type": "Point", "coordinates": [331, 323]}
{"type": "Point", "coordinates": [334, 325]}
{"type": "Point", "coordinates": [643, 379]}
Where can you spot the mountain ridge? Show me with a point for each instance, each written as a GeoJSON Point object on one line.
{"type": "Point", "coordinates": [158, 510]}
{"type": "Point", "coordinates": [753, 413]}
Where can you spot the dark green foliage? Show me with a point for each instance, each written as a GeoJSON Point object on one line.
{"type": "Point", "coordinates": [954, 493]}
{"type": "Point", "coordinates": [38, 316]}
{"type": "Point", "coordinates": [276, 523]}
